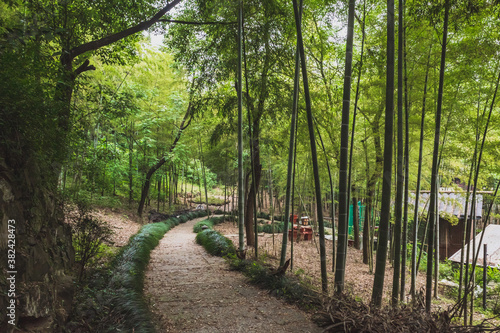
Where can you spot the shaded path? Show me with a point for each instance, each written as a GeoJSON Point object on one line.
{"type": "Point", "coordinates": [192, 291]}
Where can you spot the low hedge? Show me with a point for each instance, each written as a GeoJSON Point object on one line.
{"type": "Point", "coordinates": [198, 227]}
{"type": "Point", "coordinates": [114, 301]}
{"type": "Point", "coordinates": [288, 287]}
{"type": "Point", "coordinates": [268, 228]}
{"type": "Point", "coordinates": [215, 243]}
{"type": "Point", "coordinates": [284, 286]}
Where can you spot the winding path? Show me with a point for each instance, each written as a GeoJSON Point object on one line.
{"type": "Point", "coordinates": [192, 291]}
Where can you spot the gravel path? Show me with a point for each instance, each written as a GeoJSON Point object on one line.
{"type": "Point", "coordinates": [192, 291]}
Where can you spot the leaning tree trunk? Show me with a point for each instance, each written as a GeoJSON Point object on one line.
{"type": "Point", "coordinates": [291, 149]}
{"type": "Point", "coordinates": [324, 281]}
{"type": "Point", "coordinates": [383, 233]}
{"type": "Point", "coordinates": [159, 164]}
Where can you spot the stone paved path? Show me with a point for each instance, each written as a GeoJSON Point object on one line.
{"type": "Point", "coordinates": [192, 291]}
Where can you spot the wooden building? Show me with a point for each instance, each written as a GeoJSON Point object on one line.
{"type": "Point", "coordinates": [451, 208]}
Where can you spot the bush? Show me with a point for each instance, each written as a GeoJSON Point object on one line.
{"type": "Point", "coordinates": [268, 228]}
{"type": "Point", "coordinates": [262, 215]}
{"type": "Point", "coordinates": [89, 236]}
{"type": "Point", "coordinates": [114, 300]}
{"type": "Point", "coordinates": [288, 287]}
{"type": "Point", "coordinates": [215, 243]}
{"type": "Point", "coordinates": [198, 227]}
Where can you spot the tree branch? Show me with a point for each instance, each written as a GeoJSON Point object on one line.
{"type": "Point", "coordinates": [96, 44]}
{"type": "Point", "coordinates": [83, 68]}
{"type": "Point", "coordinates": [196, 23]}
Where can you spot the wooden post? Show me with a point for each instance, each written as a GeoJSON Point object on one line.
{"type": "Point", "coordinates": [485, 269]}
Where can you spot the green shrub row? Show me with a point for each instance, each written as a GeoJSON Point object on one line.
{"type": "Point", "coordinates": [262, 215]}
{"type": "Point", "coordinates": [198, 227]}
{"type": "Point", "coordinates": [215, 243]}
{"type": "Point", "coordinates": [288, 287]}
{"type": "Point", "coordinates": [114, 299]}
{"type": "Point", "coordinates": [268, 228]}
{"type": "Point", "coordinates": [128, 271]}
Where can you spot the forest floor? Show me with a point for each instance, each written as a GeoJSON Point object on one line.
{"type": "Point", "coordinates": [192, 291]}
{"type": "Point", "coordinates": [123, 223]}
{"type": "Point", "coordinates": [306, 263]}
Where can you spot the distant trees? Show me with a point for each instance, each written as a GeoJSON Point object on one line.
{"type": "Point", "coordinates": [72, 32]}
{"type": "Point", "coordinates": [85, 113]}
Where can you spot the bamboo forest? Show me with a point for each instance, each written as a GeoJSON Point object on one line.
{"type": "Point", "coordinates": [249, 166]}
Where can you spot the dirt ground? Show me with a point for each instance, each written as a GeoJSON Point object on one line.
{"type": "Point", "coordinates": [122, 223]}
{"type": "Point", "coordinates": [306, 263]}
{"type": "Point", "coordinates": [192, 291]}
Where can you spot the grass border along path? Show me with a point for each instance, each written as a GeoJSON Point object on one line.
{"type": "Point", "coordinates": [287, 287]}
{"type": "Point", "coordinates": [128, 272]}
{"type": "Point", "coordinates": [114, 300]}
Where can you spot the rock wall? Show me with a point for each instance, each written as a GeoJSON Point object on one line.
{"type": "Point", "coordinates": [44, 255]}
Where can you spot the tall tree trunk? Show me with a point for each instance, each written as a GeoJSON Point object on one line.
{"type": "Point", "coordinates": [400, 177]}
{"type": "Point", "coordinates": [332, 211]}
{"type": "Point", "coordinates": [204, 177]}
{"type": "Point", "coordinates": [372, 182]}
{"type": "Point", "coordinates": [291, 148]}
{"type": "Point", "coordinates": [324, 281]}
{"type": "Point", "coordinates": [404, 239]}
{"type": "Point", "coordinates": [430, 237]}
{"type": "Point", "coordinates": [417, 191]}
{"type": "Point", "coordinates": [344, 138]}
{"type": "Point", "coordinates": [370, 192]}
{"type": "Point", "coordinates": [363, 35]}
{"type": "Point", "coordinates": [293, 192]}
{"type": "Point", "coordinates": [159, 195]}
{"type": "Point", "coordinates": [241, 193]}
{"type": "Point", "coordinates": [436, 241]}
{"type": "Point", "coordinates": [130, 167]}
{"type": "Point", "coordinates": [383, 232]}
{"type": "Point", "coordinates": [252, 192]}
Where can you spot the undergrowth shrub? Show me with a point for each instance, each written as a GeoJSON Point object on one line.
{"type": "Point", "coordinates": [288, 287]}
{"type": "Point", "coordinates": [215, 243]}
{"type": "Point", "coordinates": [198, 227]}
{"type": "Point", "coordinates": [270, 228]}
{"type": "Point", "coordinates": [113, 300]}
{"type": "Point", "coordinates": [89, 237]}
{"type": "Point", "coordinates": [263, 215]}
